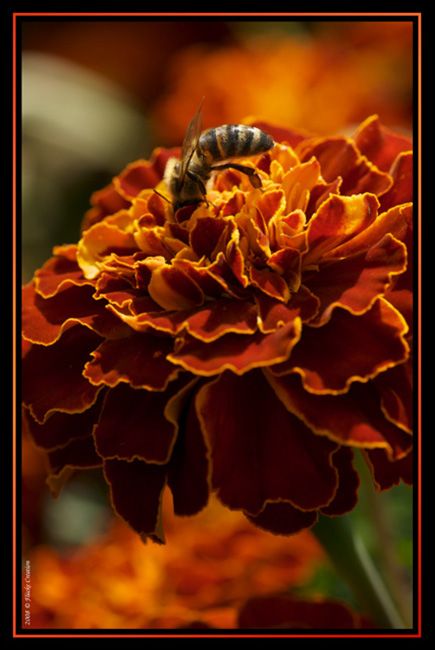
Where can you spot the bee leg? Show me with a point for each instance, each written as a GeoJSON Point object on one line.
{"type": "Point", "coordinates": [198, 181]}
{"type": "Point", "coordinates": [254, 178]}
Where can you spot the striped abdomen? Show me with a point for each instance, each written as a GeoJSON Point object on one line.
{"type": "Point", "coordinates": [233, 140]}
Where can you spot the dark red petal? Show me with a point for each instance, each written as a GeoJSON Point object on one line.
{"type": "Point", "coordinates": [346, 497]}
{"type": "Point", "coordinates": [188, 475]}
{"type": "Point", "coordinates": [283, 519]}
{"type": "Point", "coordinates": [395, 388]}
{"type": "Point", "coordinates": [136, 491]}
{"type": "Point", "coordinates": [206, 233]}
{"type": "Point", "coordinates": [273, 314]}
{"type": "Point", "coordinates": [76, 454]}
{"type": "Point", "coordinates": [379, 144]}
{"type": "Point", "coordinates": [258, 450]}
{"type": "Point", "coordinates": [354, 282]}
{"type": "Point", "coordinates": [287, 262]}
{"type": "Point", "coordinates": [287, 612]}
{"type": "Point", "coordinates": [402, 188]}
{"type": "Point", "coordinates": [138, 359]}
{"type": "Point", "coordinates": [105, 201]}
{"type": "Point", "coordinates": [61, 428]}
{"type": "Point", "coordinates": [236, 352]}
{"type": "Point", "coordinates": [270, 283]}
{"type": "Point", "coordinates": [348, 348]}
{"type": "Point", "coordinates": [132, 425]}
{"type": "Point", "coordinates": [387, 473]}
{"type": "Point", "coordinates": [354, 418]}
{"type": "Point", "coordinates": [135, 177]}
{"type": "Point", "coordinates": [59, 271]}
{"type": "Point", "coordinates": [52, 376]}
{"type": "Point", "coordinates": [44, 319]}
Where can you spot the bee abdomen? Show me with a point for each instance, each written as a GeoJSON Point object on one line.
{"type": "Point", "coordinates": [233, 140]}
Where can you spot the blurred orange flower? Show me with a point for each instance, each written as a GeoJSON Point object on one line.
{"type": "Point", "coordinates": [323, 83]}
{"type": "Point", "coordinates": [212, 564]}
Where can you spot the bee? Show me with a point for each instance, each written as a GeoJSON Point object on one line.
{"type": "Point", "coordinates": [186, 178]}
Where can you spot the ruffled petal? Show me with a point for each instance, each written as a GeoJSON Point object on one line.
{"type": "Point", "coordinates": [252, 439]}
{"type": "Point", "coordinates": [339, 157]}
{"type": "Point", "coordinates": [354, 418]}
{"type": "Point", "coordinates": [132, 426]}
{"type": "Point", "coordinates": [189, 469]}
{"type": "Point", "coordinates": [338, 219]}
{"type": "Point", "coordinates": [346, 497]}
{"type": "Point", "coordinates": [136, 490]}
{"type": "Point", "coordinates": [61, 428]}
{"type": "Point", "coordinates": [283, 519]}
{"type": "Point", "coordinates": [236, 352]}
{"type": "Point", "coordinates": [45, 319]}
{"type": "Point", "coordinates": [380, 144]}
{"type": "Point", "coordinates": [76, 454]}
{"type": "Point", "coordinates": [354, 282]}
{"type": "Point", "coordinates": [52, 376]}
{"type": "Point", "coordinates": [387, 473]}
{"type": "Point", "coordinates": [395, 389]}
{"type": "Point", "coordinates": [273, 314]}
{"type": "Point", "coordinates": [348, 348]}
{"type": "Point", "coordinates": [402, 188]}
{"type": "Point", "coordinates": [59, 272]}
{"type": "Point", "coordinates": [139, 360]}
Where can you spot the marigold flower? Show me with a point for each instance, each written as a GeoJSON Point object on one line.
{"type": "Point", "coordinates": [243, 347]}
{"type": "Point", "coordinates": [212, 565]}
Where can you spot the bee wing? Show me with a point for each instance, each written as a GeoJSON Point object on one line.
{"type": "Point", "coordinates": [191, 139]}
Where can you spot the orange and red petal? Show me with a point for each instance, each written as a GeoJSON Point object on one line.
{"type": "Point", "coordinates": [132, 425]}
{"type": "Point", "coordinates": [139, 360]}
{"type": "Point", "coordinates": [59, 271]}
{"type": "Point", "coordinates": [44, 319]}
{"type": "Point", "coordinates": [355, 282]}
{"type": "Point", "coordinates": [143, 174]}
{"type": "Point", "coordinates": [354, 418]}
{"type": "Point", "coordinates": [270, 283]}
{"type": "Point", "coordinates": [274, 314]}
{"type": "Point", "coordinates": [236, 352]}
{"type": "Point", "coordinates": [338, 219]}
{"type": "Point", "coordinates": [171, 288]}
{"type": "Point", "coordinates": [402, 188]}
{"type": "Point", "coordinates": [258, 450]}
{"type": "Point", "coordinates": [380, 144]}
{"type": "Point", "coordinates": [395, 222]}
{"type": "Point", "coordinates": [220, 317]}
{"type": "Point", "coordinates": [287, 612]}
{"type": "Point", "coordinates": [339, 158]}
{"type": "Point", "coordinates": [136, 491]}
{"type": "Point", "coordinates": [348, 348]}
{"type": "Point", "coordinates": [52, 376]}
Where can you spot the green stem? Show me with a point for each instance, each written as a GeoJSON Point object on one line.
{"type": "Point", "coordinates": [351, 559]}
